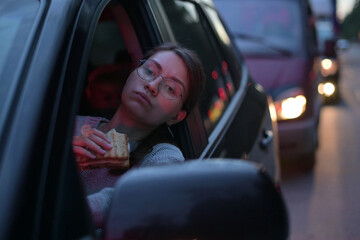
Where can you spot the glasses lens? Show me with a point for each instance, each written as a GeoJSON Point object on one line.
{"type": "Point", "coordinates": [148, 71]}
{"type": "Point", "coordinates": [170, 89]}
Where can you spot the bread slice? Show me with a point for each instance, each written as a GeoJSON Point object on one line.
{"type": "Point", "coordinates": [116, 158]}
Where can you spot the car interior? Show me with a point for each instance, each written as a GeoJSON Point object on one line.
{"type": "Point", "coordinates": [114, 54]}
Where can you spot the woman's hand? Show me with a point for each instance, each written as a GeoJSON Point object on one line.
{"type": "Point", "coordinates": [91, 142]}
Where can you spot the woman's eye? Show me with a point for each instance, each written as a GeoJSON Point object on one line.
{"type": "Point", "coordinates": [148, 71]}
{"type": "Point", "coordinates": [172, 90]}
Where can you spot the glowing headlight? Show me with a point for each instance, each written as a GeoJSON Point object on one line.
{"type": "Point", "coordinates": [291, 107]}
{"type": "Point", "coordinates": [326, 63]}
{"type": "Point", "coordinates": [326, 89]}
{"type": "Point", "coordinates": [328, 67]}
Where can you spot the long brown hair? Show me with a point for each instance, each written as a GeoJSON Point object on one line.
{"type": "Point", "coordinates": [196, 77]}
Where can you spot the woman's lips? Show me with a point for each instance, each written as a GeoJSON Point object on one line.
{"type": "Point", "coordinates": [143, 97]}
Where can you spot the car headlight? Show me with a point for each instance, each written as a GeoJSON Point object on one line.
{"type": "Point", "coordinates": [327, 89]}
{"type": "Point", "coordinates": [326, 63]}
{"type": "Point", "coordinates": [328, 67]}
{"type": "Point", "coordinates": [291, 104]}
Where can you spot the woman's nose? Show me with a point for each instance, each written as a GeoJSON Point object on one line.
{"type": "Point", "coordinates": [153, 86]}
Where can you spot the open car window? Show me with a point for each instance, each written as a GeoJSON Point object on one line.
{"type": "Point", "coordinates": [114, 53]}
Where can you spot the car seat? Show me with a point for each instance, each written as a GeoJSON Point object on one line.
{"type": "Point", "coordinates": [105, 83]}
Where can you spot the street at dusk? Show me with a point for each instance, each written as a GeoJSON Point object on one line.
{"type": "Point", "coordinates": [324, 204]}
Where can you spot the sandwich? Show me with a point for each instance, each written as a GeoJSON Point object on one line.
{"type": "Point", "coordinates": [116, 158]}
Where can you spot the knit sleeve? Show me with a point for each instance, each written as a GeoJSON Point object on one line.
{"type": "Point", "coordinates": [162, 154]}
{"type": "Point", "coordinates": [99, 204]}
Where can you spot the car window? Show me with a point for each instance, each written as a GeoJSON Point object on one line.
{"type": "Point", "coordinates": [231, 66]}
{"type": "Point", "coordinates": [191, 30]}
{"type": "Point", "coordinates": [15, 28]}
{"type": "Point", "coordinates": [113, 55]}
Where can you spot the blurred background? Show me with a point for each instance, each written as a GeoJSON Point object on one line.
{"type": "Point", "coordinates": [324, 203]}
{"type": "Point", "coordinates": [321, 187]}
{"type": "Point", "coordinates": [348, 14]}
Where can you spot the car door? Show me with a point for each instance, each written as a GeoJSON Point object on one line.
{"type": "Point", "coordinates": [43, 45]}
{"type": "Point", "coordinates": [233, 119]}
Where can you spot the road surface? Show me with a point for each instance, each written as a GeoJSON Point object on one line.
{"type": "Point", "coordinates": [324, 204]}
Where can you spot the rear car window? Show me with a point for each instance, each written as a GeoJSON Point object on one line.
{"type": "Point", "coordinates": [233, 62]}
{"type": "Point", "coordinates": [191, 30]}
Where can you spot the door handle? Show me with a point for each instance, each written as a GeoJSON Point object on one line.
{"type": "Point", "coordinates": [267, 137]}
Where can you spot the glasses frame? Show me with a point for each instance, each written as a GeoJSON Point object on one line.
{"type": "Point", "coordinates": [142, 62]}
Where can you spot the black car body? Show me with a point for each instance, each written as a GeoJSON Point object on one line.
{"type": "Point", "coordinates": [278, 41]}
{"type": "Point", "coordinates": [48, 51]}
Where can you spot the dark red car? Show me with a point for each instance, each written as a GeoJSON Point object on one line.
{"type": "Point", "coordinates": [279, 43]}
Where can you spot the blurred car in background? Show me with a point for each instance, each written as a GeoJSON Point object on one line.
{"type": "Point", "coordinates": [279, 44]}
{"type": "Point", "coordinates": [328, 29]}
{"type": "Point", "coordinates": [329, 86]}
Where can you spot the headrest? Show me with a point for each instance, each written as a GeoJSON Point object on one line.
{"type": "Point", "coordinates": [111, 69]}
{"type": "Point", "coordinates": [199, 199]}
{"type": "Point", "coordinates": [105, 85]}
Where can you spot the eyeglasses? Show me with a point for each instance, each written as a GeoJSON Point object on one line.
{"type": "Point", "coordinates": [168, 88]}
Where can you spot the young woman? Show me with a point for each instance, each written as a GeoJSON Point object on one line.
{"type": "Point", "coordinates": [161, 92]}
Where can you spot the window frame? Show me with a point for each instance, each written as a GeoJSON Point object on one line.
{"type": "Point", "coordinates": [41, 177]}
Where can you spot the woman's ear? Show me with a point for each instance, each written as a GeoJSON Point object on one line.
{"type": "Point", "coordinates": [178, 118]}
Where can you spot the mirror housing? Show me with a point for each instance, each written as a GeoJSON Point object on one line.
{"type": "Point", "coordinates": [198, 199]}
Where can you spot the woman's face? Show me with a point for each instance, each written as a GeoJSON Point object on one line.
{"type": "Point", "coordinates": [147, 101]}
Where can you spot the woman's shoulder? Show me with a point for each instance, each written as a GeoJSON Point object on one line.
{"type": "Point", "coordinates": [163, 154]}
{"type": "Point", "coordinates": [166, 147]}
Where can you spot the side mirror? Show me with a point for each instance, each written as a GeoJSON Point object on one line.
{"type": "Point", "coordinates": [342, 44]}
{"type": "Point", "coordinates": [199, 199]}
